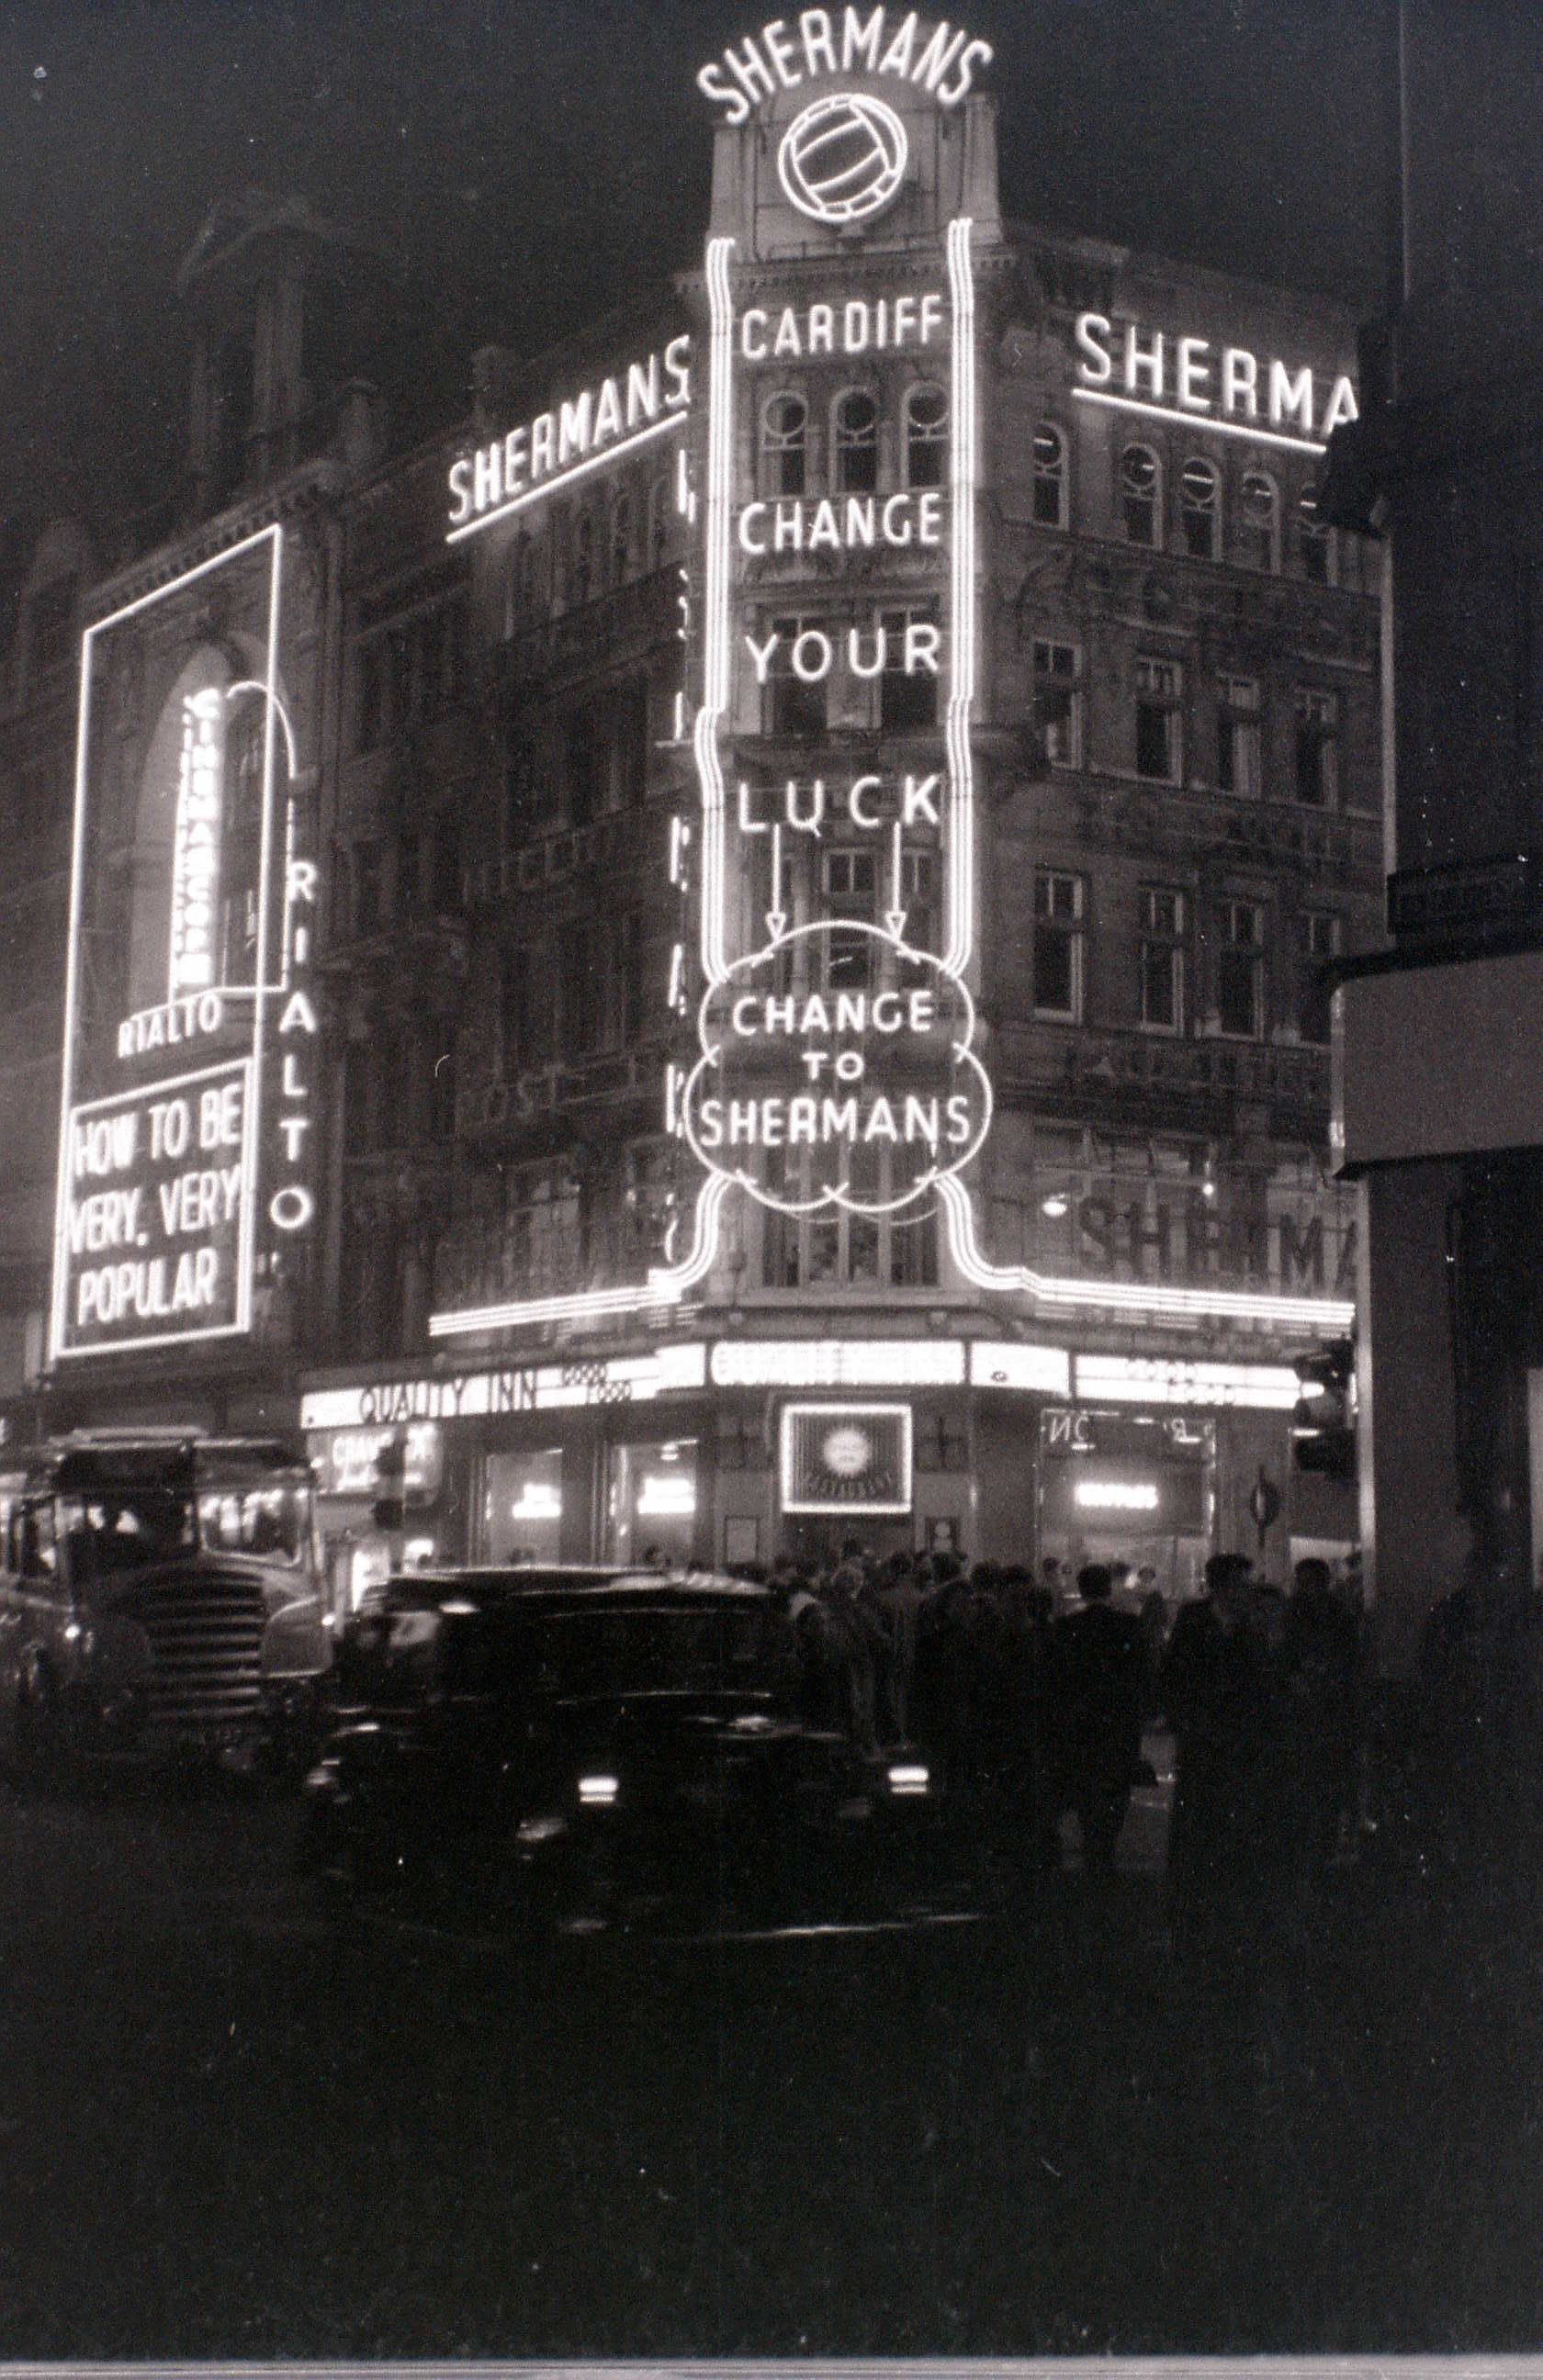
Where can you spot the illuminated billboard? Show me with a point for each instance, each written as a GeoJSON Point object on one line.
{"type": "Point", "coordinates": [185, 1157]}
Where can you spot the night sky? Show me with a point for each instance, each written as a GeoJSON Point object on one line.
{"type": "Point", "coordinates": [521, 169]}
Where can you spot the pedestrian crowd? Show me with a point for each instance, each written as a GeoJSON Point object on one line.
{"type": "Point", "coordinates": [1033, 1693]}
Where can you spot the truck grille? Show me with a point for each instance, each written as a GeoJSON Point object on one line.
{"type": "Point", "coordinates": [206, 1636]}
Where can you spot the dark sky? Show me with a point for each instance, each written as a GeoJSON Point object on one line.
{"type": "Point", "coordinates": [525, 167]}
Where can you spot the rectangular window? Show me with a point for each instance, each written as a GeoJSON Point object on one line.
{"type": "Point", "coordinates": [632, 743]}
{"type": "Point", "coordinates": [514, 1001]}
{"type": "Point", "coordinates": [1058, 701]}
{"type": "Point", "coordinates": [582, 755]}
{"type": "Point", "coordinates": [370, 699]}
{"type": "Point", "coordinates": [918, 898]}
{"type": "Point", "coordinates": [851, 886]}
{"type": "Point", "coordinates": [1240, 971]}
{"type": "Point", "coordinates": [909, 697]}
{"type": "Point", "coordinates": [1163, 960]}
{"type": "Point", "coordinates": [790, 705]}
{"type": "Point", "coordinates": [1319, 946]}
{"type": "Point", "coordinates": [1238, 735]}
{"type": "Point", "coordinates": [1318, 734]}
{"type": "Point", "coordinates": [582, 1004]}
{"type": "Point", "coordinates": [1058, 946]}
{"type": "Point", "coordinates": [1159, 719]}
{"type": "Point", "coordinates": [367, 888]}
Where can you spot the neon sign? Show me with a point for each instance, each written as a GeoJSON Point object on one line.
{"type": "Point", "coordinates": [846, 1457]}
{"type": "Point", "coordinates": [574, 436]}
{"type": "Point", "coordinates": [842, 158]}
{"type": "Point", "coordinates": [159, 1207]}
{"type": "Point", "coordinates": [842, 41]}
{"type": "Point", "coordinates": [1224, 388]}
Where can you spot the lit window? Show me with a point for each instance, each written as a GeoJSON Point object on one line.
{"type": "Point", "coordinates": [857, 444]}
{"type": "Point", "coordinates": [1318, 734]}
{"type": "Point", "coordinates": [1159, 719]}
{"type": "Point", "coordinates": [785, 436]}
{"type": "Point", "coordinates": [926, 435]}
{"type": "Point", "coordinates": [1315, 540]}
{"type": "Point", "coordinates": [1237, 734]}
{"type": "Point", "coordinates": [1141, 496]}
{"type": "Point", "coordinates": [1260, 522]}
{"type": "Point", "coordinates": [1200, 508]}
{"type": "Point", "coordinates": [1058, 701]}
{"type": "Point", "coordinates": [1240, 971]}
{"type": "Point", "coordinates": [1319, 946]}
{"type": "Point", "coordinates": [1050, 509]}
{"type": "Point", "coordinates": [1058, 946]}
{"type": "Point", "coordinates": [1163, 960]}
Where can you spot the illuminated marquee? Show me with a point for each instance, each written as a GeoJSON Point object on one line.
{"type": "Point", "coordinates": [942, 63]}
{"type": "Point", "coordinates": [576, 435]}
{"type": "Point", "coordinates": [1192, 380]}
{"type": "Point", "coordinates": [174, 1189]}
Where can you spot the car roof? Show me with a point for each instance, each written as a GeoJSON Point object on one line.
{"type": "Point", "coordinates": [575, 1582]}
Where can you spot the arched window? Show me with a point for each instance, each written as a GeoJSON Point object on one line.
{"type": "Point", "coordinates": [855, 444]}
{"type": "Point", "coordinates": [926, 435]}
{"type": "Point", "coordinates": [1051, 508]}
{"type": "Point", "coordinates": [621, 538]}
{"type": "Point", "coordinates": [1200, 508]}
{"type": "Point", "coordinates": [1141, 496]}
{"type": "Point", "coordinates": [583, 580]}
{"type": "Point", "coordinates": [1260, 522]}
{"type": "Point", "coordinates": [784, 443]}
{"type": "Point", "coordinates": [1315, 538]}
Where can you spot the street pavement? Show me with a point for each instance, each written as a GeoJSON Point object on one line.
{"type": "Point", "coordinates": [230, 2126]}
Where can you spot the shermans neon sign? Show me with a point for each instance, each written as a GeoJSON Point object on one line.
{"type": "Point", "coordinates": [1191, 380]}
{"type": "Point", "coordinates": [842, 41]}
{"type": "Point", "coordinates": [578, 434]}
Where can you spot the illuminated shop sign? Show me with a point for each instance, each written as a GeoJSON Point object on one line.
{"type": "Point", "coordinates": [790, 51]}
{"type": "Point", "coordinates": [1129, 1380]}
{"type": "Point", "coordinates": [846, 1457]}
{"type": "Point", "coordinates": [1195, 379]}
{"type": "Point", "coordinates": [531, 1388]}
{"type": "Point", "coordinates": [1009, 1363]}
{"type": "Point", "coordinates": [347, 1461]}
{"type": "Point", "coordinates": [837, 1363]}
{"type": "Point", "coordinates": [578, 434]}
{"type": "Point", "coordinates": [1116, 1495]}
{"type": "Point", "coordinates": [177, 1192]}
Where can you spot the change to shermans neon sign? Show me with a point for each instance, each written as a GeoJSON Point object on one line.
{"type": "Point", "coordinates": [184, 1132]}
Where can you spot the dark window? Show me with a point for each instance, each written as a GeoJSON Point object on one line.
{"type": "Point", "coordinates": [1058, 946]}
{"type": "Point", "coordinates": [857, 444]}
{"type": "Point", "coordinates": [851, 892]}
{"type": "Point", "coordinates": [792, 705]}
{"type": "Point", "coordinates": [1158, 739]}
{"type": "Point", "coordinates": [1315, 540]}
{"type": "Point", "coordinates": [1058, 700]}
{"type": "Point", "coordinates": [1141, 496]}
{"type": "Point", "coordinates": [1260, 522]}
{"type": "Point", "coordinates": [583, 584]}
{"type": "Point", "coordinates": [926, 435]}
{"type": "Point", "coordinates": [1200, 508]}
{"type": "Point", "coordinates": [632, 743]}
{"type": "Point", "coordinates": [1050, 476]}
{"type": "Point", "coordinates": [370, 698]}
{"type": "Point", "coordinates": [1317, 728]}
{"type": "Point", "coordinates": [1240, 971]}
{"type": "Point", "coordinates": [582, 1006]}
{"type": "Point", "coordinates": [1238, 735]}
{"type": "Point", "coordinates": [907, 698]}
{"type": "Point", "coordinates": [784, 431]}
{"type": "Point", "coordinates": [629, 978]}
{"type": "Point", "coordinates": [1320, 947]}
{"type": "Point", "coordinates": [1163, 960]}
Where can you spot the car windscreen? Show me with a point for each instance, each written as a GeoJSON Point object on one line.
{"type": "Point", "coordinates": [248, 1511]}
{"type": "Point", "coordinates": [610, 1652]}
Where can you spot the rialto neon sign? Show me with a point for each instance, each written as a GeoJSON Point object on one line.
{"type": "Point", "coordinates": [574, 436]}
{"type": "Point", "coordinates": [787, 54]}
{"type": "Point", "coordinates": [1192, 380]}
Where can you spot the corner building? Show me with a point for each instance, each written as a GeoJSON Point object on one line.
{"type": "Point", "coordinates": [837, 798]}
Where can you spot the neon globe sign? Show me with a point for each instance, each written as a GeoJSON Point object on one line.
{"type": "Point", "coordinates": [842, 158]}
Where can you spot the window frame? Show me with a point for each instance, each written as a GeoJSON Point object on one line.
{"type": "Point", "coordinates": [1311, 966]}
{"type": "Point", "coordinates": [774, 444]}
{"type": "Point", "coordinates": [1073, 930]}
{"type": "Point", "coordinates": [1153, 544]}
{"type": "Point", "coordinates": [1237, 715]}
{"type": "Point", "coordinates": [1171, 707]}
{"type": "Point", "coordinates": [1171, 939]}
{"type": "Point", "coordinates": [1228, 946]}
{"type": "Point", "coordinates": [1317, 730]}
{"type": "Point", "coordinates": [1256, 475]}
{"type": "Point", "coordinates": [1057, 476]}
{"type": "Point", "coordinates": [844, 444]}
{"type": "Point", "coordinates": [1210, 512]}
{"type": "Point", "coordinates": [933, 440]}
{"type": "Point", "coordinates": [1051, 682]}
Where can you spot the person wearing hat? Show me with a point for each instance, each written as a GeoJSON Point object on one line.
{"type": "Point", "coordinates": [1216, 1693]}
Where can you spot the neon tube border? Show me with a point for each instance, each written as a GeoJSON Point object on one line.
{"type": "Point", "coordinates": [56, 1350]}
{"type": "Point", "coordinates": [1249, 430]}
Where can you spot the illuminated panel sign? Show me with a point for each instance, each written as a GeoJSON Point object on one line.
{"type": "Point", "coordinates": [177, 1189]}
{"type": "Point", "coordinates": [196, 849]}
{"type": "Point", "coordinates": [347, 1461]}
{"type": "Point", "coordinates": [1008, 1364]}
{"type": "Point", "coordinates": [576, 435]}
{"type": "Point", "coordinates": [788, 54]}
{"type": "Point", "coordinates": [532, 1388]}
{"type": "Point", "coordinates": [1115, 1494]}
{"type": "Point", "coordinates": [1187, 379]}
{"type": "Point", "coordinates": [846, 1457]}
{"type": "Point", "coordinates": [1130, 1379]}
{"type": "Point", "coordinates": [837, 1363]}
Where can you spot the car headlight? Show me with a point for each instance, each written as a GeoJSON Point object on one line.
{"type": "Point", "coordinates": [909, 1776]}
{"type": "Point", "coordinates": [598, 1791]}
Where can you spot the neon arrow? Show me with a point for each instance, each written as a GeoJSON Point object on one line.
{"type": "Point", "coordinates": [895, 919]}
{"type": "Point", "coordinates": [776, 916]}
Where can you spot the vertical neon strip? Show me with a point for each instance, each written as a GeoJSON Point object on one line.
{"type": "Point", "coordinates": [67, 1071]}
{"type": "Point", "coordinates": [253, 1152]}
{"type": "Point", "coordinates": [963, 474]}
{"type": "Point", "coordinates": [715, 622]}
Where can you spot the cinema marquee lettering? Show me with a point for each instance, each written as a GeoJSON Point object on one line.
{"type": "Point", "coordinates": [621, 410]}
{"type": "Point", "coordinates": [819, 43]}
{"type": "Point", "coordinates": [1191, 379]}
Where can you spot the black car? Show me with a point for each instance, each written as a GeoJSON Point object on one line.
{"type": "Point", "coordinates": [535, 1743]}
